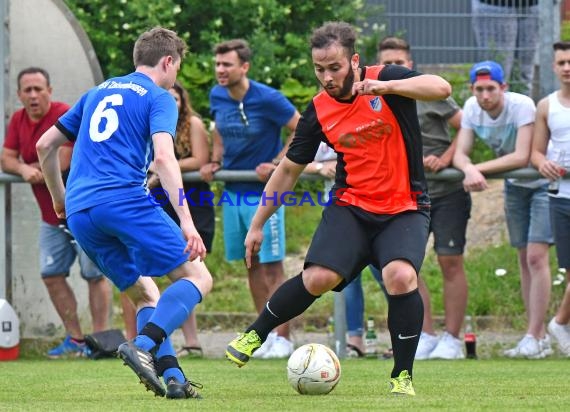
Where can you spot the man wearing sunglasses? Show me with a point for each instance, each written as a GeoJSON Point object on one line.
{"type": "Point", "coordinates": [249, 118]}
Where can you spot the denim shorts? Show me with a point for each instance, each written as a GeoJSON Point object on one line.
{"type": "Point", "coordinates": [528, 215]}
{"type": "Point", "coordinates": [449, 217]}
{"type": "Point", "coordinates": [58, 252]}
{"type": "Point", "coordinates": [560, 218]}
{"type": "Point", "coordinates": [237, 213]}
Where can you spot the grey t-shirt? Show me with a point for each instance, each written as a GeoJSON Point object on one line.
{"type": "Point", "coordinates": [433, 117]}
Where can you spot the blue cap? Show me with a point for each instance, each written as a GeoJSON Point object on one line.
{"type": "Point", "coordinates": [489, 70]}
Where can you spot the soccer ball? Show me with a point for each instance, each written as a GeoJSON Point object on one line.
{"type": "Point", "coordinates": [313, 369]}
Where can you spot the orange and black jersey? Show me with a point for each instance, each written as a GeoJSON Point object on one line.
{"type": "Point", "coordinates": [378, 142]}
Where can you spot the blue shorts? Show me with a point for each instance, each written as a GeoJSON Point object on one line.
{"type": "Point", "coordinates": [528, 216]}
{"type": "Point", "coordinates": [58, 252]}
{"type": "Point", "coordinates": [237, 219]}
{"type": "Point", "coordinates": [560, 218]}
{"type": "Point", "coordinates": [449, 216]}
{"type": "Point", "coordinates": [129, 238]}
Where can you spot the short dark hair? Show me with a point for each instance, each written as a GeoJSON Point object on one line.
{"type": "Point", "coordinates": [561, 45]}
{"type": "Point", "coordinates": [156, 43]}
{"type": "Point", "coordinates": [335, 32]}
{"type": "Point", "coordinates": [32, 70]}
{"type": "Point", "coordinates": [240, 46]}
{"type": "Point", "coordinates": [393, 43]}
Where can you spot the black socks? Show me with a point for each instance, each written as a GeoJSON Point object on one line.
{"type": "Point", "coordinates": [289, 300]}
{"type": "Point", "coordinates": [405, 320]}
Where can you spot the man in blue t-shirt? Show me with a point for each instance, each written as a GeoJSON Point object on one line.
{"type": "Point", "coordinates": [249, 117]}
{"type": "Point", "coordinates": [119, 127]}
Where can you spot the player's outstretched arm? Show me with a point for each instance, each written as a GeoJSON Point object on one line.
{"type": "Point", "coordinates": [425, 87]}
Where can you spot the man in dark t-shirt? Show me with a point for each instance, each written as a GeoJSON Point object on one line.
{"type": "Point", "coordinates": [379, 212]}
{"type": "Point", "coordinates": [450, 211]}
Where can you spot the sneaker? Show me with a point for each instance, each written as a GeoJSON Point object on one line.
{"type": "Point", "coordinates": [177, 390]}
{"type": "Point", "coordinates": [546, 345]}
{"type": "Point", "coordinates": [142, 363]}
{"type": "Point", "coordinates": [241, 348]}
{"type": "Point", "coordinates": [561, 334]}
{"type": "Point", "coordinates": [426, 345]}
{"type": "Point", "coordinates": [281, 348]}
{"type": "Point", "coordinates": [266, 346]}
{"type": "Point", "coordinates": [448, 347]}
{"type": "Point", "coordinates": [402, 385]}
{"type": "Point", "coordinates": [528, 347]}
{"type": "Point", "coordinates": [68, 348]}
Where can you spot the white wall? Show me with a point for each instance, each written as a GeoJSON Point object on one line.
{"type": "Point", "coordinates": [43, 33]}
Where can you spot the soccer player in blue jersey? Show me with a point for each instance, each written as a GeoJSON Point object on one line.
{"type": "Point", "coordinates": [119, 127]}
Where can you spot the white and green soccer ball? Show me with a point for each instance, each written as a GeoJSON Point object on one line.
{"type": "Point", "coordinates": [313, 369]}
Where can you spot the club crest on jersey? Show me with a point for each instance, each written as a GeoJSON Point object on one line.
{"type": "Point", "coordinates": [376, 104]}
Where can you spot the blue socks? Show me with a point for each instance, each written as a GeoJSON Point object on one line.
{"type": "Point", "coordinates": [143, 341]}
{"type": "Point", "coordinates": [175, 305]}
{"type": "Point", "coordinates": [173, 308]}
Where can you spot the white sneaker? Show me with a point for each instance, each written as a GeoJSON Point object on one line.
{"type": "Point", "coordinates": [426, 344]}
{"type": "Point", "coordinates": [528, 347]}
{"type": "Point", "coordinates": [546, 345]}
{"type": "Point", "coordinates": [448, 347]}
{"type": "Point", "coordinates": [281, 348]}
{"type": "Point", "coordinates": [561, 334]}
{"type": "Point", "coordinates": [265, 347]}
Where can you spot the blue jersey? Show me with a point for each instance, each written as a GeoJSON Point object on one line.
{"type": "Point", "coordinates": [253, 137]}
{"type": "Point", "coordinates": [112, 125]}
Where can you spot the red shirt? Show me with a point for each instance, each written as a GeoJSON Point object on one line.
{"type": "Point", "coordinates": [23, 134]}
{"type": "Point", "coordinates": [378, 142]}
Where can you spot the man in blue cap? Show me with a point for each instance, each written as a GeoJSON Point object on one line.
{"type": "Point", "coordinates": [505, 122]}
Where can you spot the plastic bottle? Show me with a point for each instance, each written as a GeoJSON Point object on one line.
{"type": "Point", "coordinates": [370, 339]}
{"type": "Point", "coordinates": [470, 339]}
{"type": "Point", "coordinates": [554, 185]}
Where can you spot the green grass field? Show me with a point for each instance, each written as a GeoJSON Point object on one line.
{"type": "Point", "coordinates": [467, 385]}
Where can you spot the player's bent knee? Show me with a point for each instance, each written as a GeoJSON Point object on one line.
{"type": "Point", "coordinates": [197, 273]}
{"type": "Point", "coordinates": [318, 280]}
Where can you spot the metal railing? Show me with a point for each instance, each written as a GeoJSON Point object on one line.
{"type": "Point", "coordinates": [6, 224]}
{"type": "Point", "coordinates": [6, 180]}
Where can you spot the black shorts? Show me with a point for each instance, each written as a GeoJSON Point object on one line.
{"type": "Point", "coordinates": [348, 239]}
{"type": "Point", "coordinates": [449, 216]}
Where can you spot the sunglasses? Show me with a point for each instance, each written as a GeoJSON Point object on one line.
{"type": "Point", "coordinates": [242, 114]}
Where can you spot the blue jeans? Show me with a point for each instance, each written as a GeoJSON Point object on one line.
{"type": "Point", "coordinates": [528, 215]}
{"type": "Point", "coordinates": [560, 217]}
{"type": "Point", "coordinates": [502, 30]}
{"type": "Point", "coordinates": [57, 254]}
{"type": "Point", "coordinates": [354, 298]}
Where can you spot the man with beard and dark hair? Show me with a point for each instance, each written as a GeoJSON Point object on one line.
{"type": "Point", "coordinates": [379, 212]}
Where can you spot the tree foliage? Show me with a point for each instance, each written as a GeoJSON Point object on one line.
{"type": "Point", "coordinates": [277, 31]}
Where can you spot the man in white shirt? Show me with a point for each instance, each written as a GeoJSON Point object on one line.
{"type": "Point", "coordinates": [505, 122]}
{"type": "Point", "coordinates": [551, 155]}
